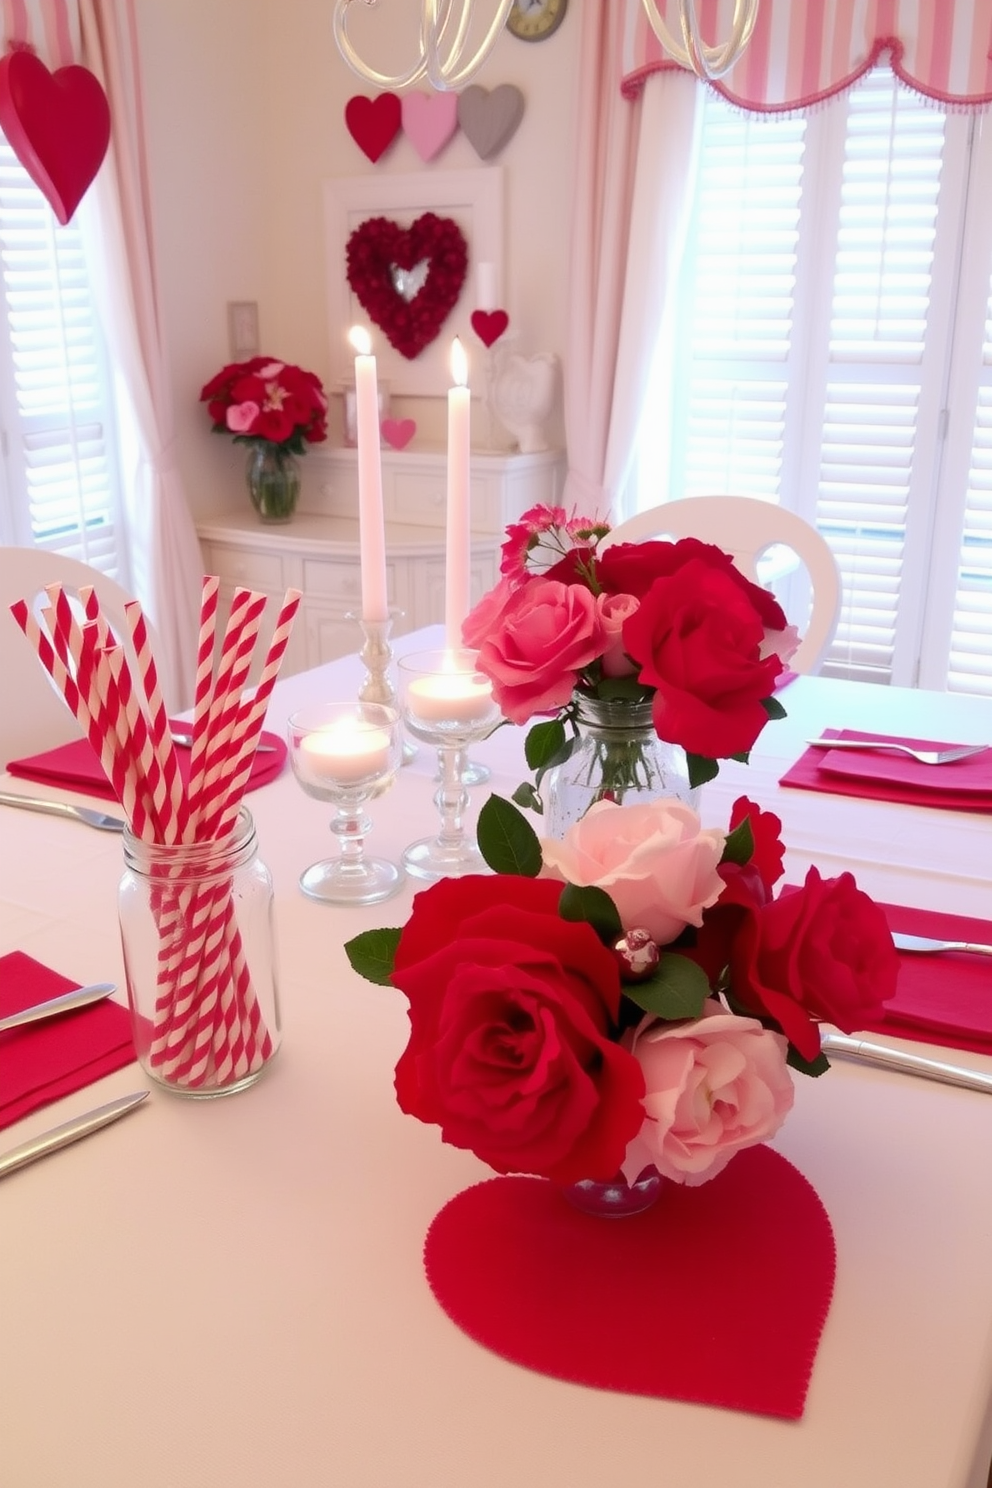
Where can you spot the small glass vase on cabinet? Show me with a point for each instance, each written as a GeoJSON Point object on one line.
{"type": "Point", "coordinates": [273, 476]}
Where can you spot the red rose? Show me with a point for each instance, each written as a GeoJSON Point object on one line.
{"type": "Point", "coordinates": [631, 568]}
{"type": "Point", "coordinates": [823, 951]}
{"type": "Point", "coordinates": [766, 829]}
{"type": "Point", "coordinates": [511, 1012]}
{"type": "Point", "coordinates": [697, 637]}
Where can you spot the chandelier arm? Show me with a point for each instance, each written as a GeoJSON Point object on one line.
{"type": "Point", "coordinates": [388, 81]}
{"type": "Point", "coordinates": [709, 62]}
{"type": "Point", "coordinates": [444, 73]}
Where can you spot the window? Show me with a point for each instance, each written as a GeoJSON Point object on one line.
{"type": "Point", "coordinates": [59, 483]}
{"type": "Point", "coordinates": [834, 352]}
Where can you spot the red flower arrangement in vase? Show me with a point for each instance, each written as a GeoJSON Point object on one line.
{"type": "Point", "coordinates": [620, 647]}
{"type": "Point", "coordinates": [278, 410]}
{"type": "Point", "coordinates": [621, 1006]}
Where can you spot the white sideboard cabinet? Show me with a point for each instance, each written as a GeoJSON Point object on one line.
{"type": "Point", "coordinates": [318, 551]}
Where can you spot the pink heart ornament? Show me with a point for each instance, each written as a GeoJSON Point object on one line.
{"type": "Point", "coordinates": [490, 120]}
{"type": "Point", "coordinates": [429, 121]}
{"type": "Point", "coordinates": [57, 124]}
{"type": "Point", "coordinates": [398, 432]}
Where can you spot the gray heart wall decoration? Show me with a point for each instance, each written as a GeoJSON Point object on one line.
{"type": "Point", "coordinates": [489, 120]}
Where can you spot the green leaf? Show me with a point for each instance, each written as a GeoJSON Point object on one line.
{"type": "Point", "coordinates": [558, 758]}
{"type": "Point", "coordinates": [507, 840]}
{"type": "Point", "coordinates": [817, 1066]}
{"type": "Point", "coordinates": [678, 989]}
{"type": "Point", "coordinates": [372, 954]}
{"type": "Point", "coordinates": [525, 795]}
{"type": "Point", "coordinates": [773, 707]}
{"type": "Point", "coordinates": [741, 758]}
{"type": "Point", "coordinates": [701, 769]}
{"type": "Point", "coordinates": [543, 742]}
{"type": "Point", "coordinates": [593, 905]}
{"type": "Point", "coordinates": [739, 846]}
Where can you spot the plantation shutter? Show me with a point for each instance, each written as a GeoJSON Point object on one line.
{"type": "Point", "coordinates": [815, 357]}
{"type": "Point", "coordinates": [57, 425]}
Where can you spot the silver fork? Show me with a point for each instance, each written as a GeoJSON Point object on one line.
{"type": "Point", "coordinates": [185, 741]}
{"type": "Point", "coordinates": [925, 756]}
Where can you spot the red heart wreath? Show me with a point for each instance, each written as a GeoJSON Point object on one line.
{"type": "Point", "coordinates": [380, 245]}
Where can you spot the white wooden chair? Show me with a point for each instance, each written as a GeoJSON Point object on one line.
{"type": "Point", "coordinates": [32, 714]}
{"type": "Point", "coordinates": [746, 528]}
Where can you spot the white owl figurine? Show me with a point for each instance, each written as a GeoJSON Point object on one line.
{"type": "Point", "coordinates": [523, 397]}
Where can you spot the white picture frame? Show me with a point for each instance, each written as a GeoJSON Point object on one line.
{"type": "Point", "coordinates": [474, 200]}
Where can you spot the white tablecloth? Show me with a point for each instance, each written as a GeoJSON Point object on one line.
{"type": "Point", "coordinates": [229, 1294]}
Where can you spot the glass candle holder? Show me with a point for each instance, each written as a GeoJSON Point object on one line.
{"type": "Point", "coordinates": [446, 702]}
{"type": "Point", "coordinates": [347, 753]}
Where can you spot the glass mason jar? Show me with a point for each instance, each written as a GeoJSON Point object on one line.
{"type": "Point", "coordinates": [619, 758]}
{"type": "Point", "coordinates": [616, 1198]}
{"type": "Point", "coordinates": [199, 957]}
{"type": "Point", "coordinates": [273, 476]}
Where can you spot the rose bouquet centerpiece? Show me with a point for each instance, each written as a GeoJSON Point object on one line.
{"type": "Point", "coordinates": [278, 410]}
{"type": "Point", "coordinates": [626, 645]}
{"type": "Point", "coordinates": [625, 1002]}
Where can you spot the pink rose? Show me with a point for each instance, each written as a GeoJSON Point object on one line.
{"type": "Point", "coordinates": [614, 609]}
{"type": "Point", "coordinates": [241, 417]}
{"type": "Point", "coordinates": [655, 862]}
{"type": "Point", "coordinates": [489, 612]}
{"type": "Point", "coordinates": [715, 1084]}
{"type": "Point", "coordinates": [540, 645]}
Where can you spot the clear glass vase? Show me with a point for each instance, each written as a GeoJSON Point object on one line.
{"type": "Point", "coordinates": [616, 1198]}
{"type": "Point", "coordinates": [273, 476]}
{"type": "Point", "coordinates": [619, 758]}
{"type": "Point", "coordinates": [199, 958]}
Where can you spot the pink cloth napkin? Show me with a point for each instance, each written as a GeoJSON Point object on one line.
{"type": "Point", "coordinates": [76, 766]}
{"type": "Point", "coordinates": [941, 999]}
{"type": "Point", "coordinates": [965, 785]}
{"type": "Point", "coordinates": [41, 1062]}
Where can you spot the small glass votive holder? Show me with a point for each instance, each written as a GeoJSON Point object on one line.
{"type": "Point", "coordinates": [199, 958]}
{"type": "Point", "coordinates": [346, 753]}
{"type": "Point", "coordinates": [447, 702]}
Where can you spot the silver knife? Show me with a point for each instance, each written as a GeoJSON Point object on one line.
{"type": "Point", "coordinates": [98, 819]}
{"type": "Point", "coordinates": [883, 1057]}
{"type": "Point", "coordinates": [69, 1131]}
{"type": "Point", "coordinates": [923, 945]}
{"type": "Point", "coordinates": [81, 997]}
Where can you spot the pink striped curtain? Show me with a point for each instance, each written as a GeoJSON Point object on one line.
{"type": "Point", "coordinates": [803, 51]}
{"type": "Point", "coordinates": [48, 27]}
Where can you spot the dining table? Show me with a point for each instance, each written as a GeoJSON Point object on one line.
{"type": "Point", "coordinates": [231, 1293]}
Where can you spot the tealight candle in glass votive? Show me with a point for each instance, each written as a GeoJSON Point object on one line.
{"type": "Point", "coordinates": [446, 702]}
{"type": "Point", "coordinates": [347, 753]}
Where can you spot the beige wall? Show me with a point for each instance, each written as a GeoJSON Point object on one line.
{"type": "Point", "coordinates": [244, 104]}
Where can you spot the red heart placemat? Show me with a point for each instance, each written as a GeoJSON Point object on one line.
{"type": "Point", "coordinates": [963, 786]}
{"type": "Point", "coordinates": [41, 1062]}
{"type": "Point", "coordinates": [717, 1294]}
{"type": "Point", "coordinates": [76, 766]}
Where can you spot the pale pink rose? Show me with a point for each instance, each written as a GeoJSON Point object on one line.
{"type": "Point", "coordinates": [539, 646]}
{"type": "Point", "coordinates": [488, 613]}
{"type": "Point", "coordinates": [781, 643]}
{"type": "Point", "coordinates": [614, 609]}
{"type": "Point", "coordinates": [241, 416]}
{"type": "Point", "coordinates": [714, 1085]}
{"type": "Point", "coordinates": [655, 861]}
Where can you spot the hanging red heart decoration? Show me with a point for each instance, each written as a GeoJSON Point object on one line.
{"type": "Point", "coordinates": [373, 123]}
{"type": "Point", "coordinates": [408, 279]}
{"type": "Point", "coordinates": [57, 124]}
{"type": "Point", "coordinates": [489, 325]}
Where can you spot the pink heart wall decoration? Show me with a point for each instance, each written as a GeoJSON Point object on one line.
{"type": "Point", "coordinates": [429, 121]}
{"type": "Point", "coordinates": [373, 123]}
{"type": "Point", "coordinates": [57, 124]}
{"type": "Point", "coordinates": [489, 325]}
{"type": "Point", "coordinates": [398, 432]}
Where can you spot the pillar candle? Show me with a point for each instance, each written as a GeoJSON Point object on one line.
{"type": "Point", "coordinates": [371, 523]}
{"type": "Point", "coordinates": [458, 552]}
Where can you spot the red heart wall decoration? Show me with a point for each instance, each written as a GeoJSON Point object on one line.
{"type": "Point", "coordinates": [57, 124]}
{"type": "Point", "coordinates": [489, 325]}
{"type": "Point", "coordinates": [373, 123]}
{"type": "Point", "coordinates": [380, 246]}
